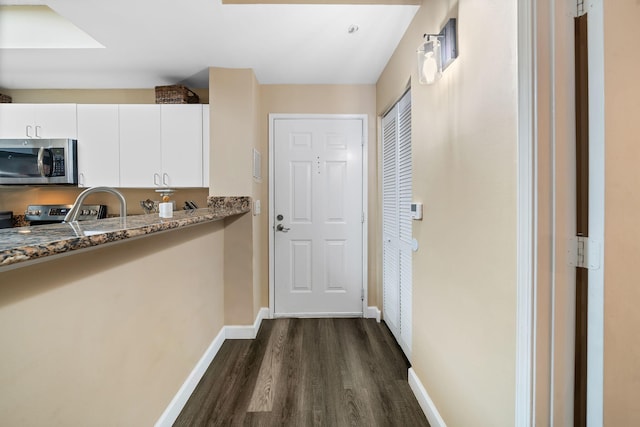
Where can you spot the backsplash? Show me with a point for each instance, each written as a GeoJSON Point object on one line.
{"type": "Point", "coordinates": [19, 220]}
{"type": "Point", "coordinates": [17, 198]}
{"type": "Point", "coordinates": [229, 205]}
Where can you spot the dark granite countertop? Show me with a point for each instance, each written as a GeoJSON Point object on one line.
{"type": "Point", "coordinates": [21, 244]}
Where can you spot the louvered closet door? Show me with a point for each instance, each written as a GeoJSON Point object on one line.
{"type": "Point", "coordinates": [396, 221]}
{"type": "Point", "coordinates": [390, 231]}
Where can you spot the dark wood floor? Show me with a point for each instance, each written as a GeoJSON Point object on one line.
{"type": "Point", "coordinates": [307, 372]}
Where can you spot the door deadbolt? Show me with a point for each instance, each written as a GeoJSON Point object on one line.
{"type": "Point", "coordinates": [280, 217]}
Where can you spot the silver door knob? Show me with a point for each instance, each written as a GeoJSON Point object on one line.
{"type": "Point", "coordinates": [282, 228]}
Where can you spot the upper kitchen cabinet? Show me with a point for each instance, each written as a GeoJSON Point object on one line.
{"type": "Point", "coordinates": [206, 144]}
{"type": "Point", "coordinates": [98, 148]}
{"type": "Point", "coordinates": [140, 153]}
{"type": "Point", "coordinates": [38, 121]}
{"type": "Point", "coordinates": [181, 133]}
{"type": "Point", "coordinates": [161, 145]}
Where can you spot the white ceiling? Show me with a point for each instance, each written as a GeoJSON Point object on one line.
{"type": "Point", "coordinates": [156, 42]}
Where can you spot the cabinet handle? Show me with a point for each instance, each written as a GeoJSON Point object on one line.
{"type": "Point", "coordinates": [41, 161]}
{"type": "Point", "coordinates": [38, 131]}
{"type": "Point", "coordinates": [29, 131]}
{"type": "Point", "coordinates": [165, 179]}
{"type": "Point", "coordinates": [156, 179]}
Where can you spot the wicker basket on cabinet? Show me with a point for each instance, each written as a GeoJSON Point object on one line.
{"type": "Point", "coordinates": [176, 94]}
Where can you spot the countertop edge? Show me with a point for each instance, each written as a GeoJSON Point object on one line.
{"type": "Point", "coordinates": [60, 239]}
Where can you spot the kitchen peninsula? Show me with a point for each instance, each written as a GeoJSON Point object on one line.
{"type": "Point", "coordinates": [23, 244]}
{"type": "Point", "coordinates": [108, 336]}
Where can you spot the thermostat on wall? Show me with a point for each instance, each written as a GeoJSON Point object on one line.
{"type": "Point", "coordinates": [416, 211]}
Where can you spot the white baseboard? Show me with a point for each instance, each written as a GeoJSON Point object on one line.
{"type": "Point", "coordinates": [246, 332]}
{"type": "Point", "coordinates": [427, 405]}
{"type": "Point", "coordinates": [170, 414]}
{"type": "Point", "coordinates": [373, 313]}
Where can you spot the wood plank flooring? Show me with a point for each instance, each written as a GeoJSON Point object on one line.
{"type": "Point", "coordinates": [307, 372]}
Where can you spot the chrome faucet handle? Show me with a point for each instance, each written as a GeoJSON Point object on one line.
{"type": "Point", "coordinates": [74, 212]}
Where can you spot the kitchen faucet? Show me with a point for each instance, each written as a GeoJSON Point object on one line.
{"type": "Point", "coordinates": [74, 212]}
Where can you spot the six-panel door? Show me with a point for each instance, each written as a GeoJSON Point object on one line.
{"type": "Point", "coordinates": [318, 252]}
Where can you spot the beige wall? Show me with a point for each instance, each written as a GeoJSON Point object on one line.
{"type": "Point", "coordinates": [16, 199]}
{"type": "Point", "coordinates": [260, 191]}
{"type": "Point", "coordinates": [92, 96]}
{"type": "Point", "coordinates": [331, 99]}
{"type": "Point", "coordinates": [622, 203]}
{"type": "Point", "coordinates": [238, 272]}
{"type": "Point", "coordinates": [108, 336]}
{"type": "Point", "coordinates": [464, 140]}
{"type": "Point", "coordinates": [239, 123]}
{"type": "Point", "coordinates": [234, 135]}
{"type": "Point", "coordinates": [233, 94]}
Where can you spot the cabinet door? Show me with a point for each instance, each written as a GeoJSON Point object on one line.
{"type": "Point", "coordinates": [98, 147]}
{"type": "Point", "coordinates": [17, 121]}
{"type": "Point", "coordinates": [140, 145]}
{"type": "Point", "coordinates": [181, 145]}
{"type": "Point", "coordinates": [38, 121]}
{"type": "Point", "coordinates": [206, 145]}
{"type": "Point", "coordinates": [55, 121]}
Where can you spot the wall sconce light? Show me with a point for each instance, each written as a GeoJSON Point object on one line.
{"type": "Point", "coordinates": [429, 60]}
{"type": "Point", "coordinates": [436, 53]}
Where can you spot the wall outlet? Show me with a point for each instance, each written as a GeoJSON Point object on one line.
{"type": "Point", "coordinates": [256, 207]}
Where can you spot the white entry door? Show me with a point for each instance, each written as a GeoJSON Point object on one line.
{"type": "Point", "coordinates": [318, 216]}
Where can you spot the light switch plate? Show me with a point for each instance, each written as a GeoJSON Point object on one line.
{"type": "Point", "coordinates": [256, 207]}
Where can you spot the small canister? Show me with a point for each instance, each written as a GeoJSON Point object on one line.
{"type": "Point", "coordinates": [165, 209]}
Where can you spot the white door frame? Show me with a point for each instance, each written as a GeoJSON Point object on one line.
{"type": "Point", "coordinates": [526, 309]}
{"type": "Point", "coordinates": [365, 198]}
{"type": "Point", "coordinates": [595, 311]}
{"type": "Point", "coordinates": [526, 218]}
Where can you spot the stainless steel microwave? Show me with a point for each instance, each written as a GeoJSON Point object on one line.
{"type": "Point", "coordinates": [38, 161]}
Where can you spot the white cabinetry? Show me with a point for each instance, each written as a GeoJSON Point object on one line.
{"type": "Point", "coordinates": [161, 145]}
{"type": "Point", "coordinates": [38, 121]}
{"type": "Point", "coordinates": [98, 147]}
{"type": "Point", "coordinates": [126, 145]}
{"type": "Point", "coordinates": [139, 145]}
{"type": "Point", "coordinates": [206, 145]}
{"type": "Point", "coordinates": [181, 145]}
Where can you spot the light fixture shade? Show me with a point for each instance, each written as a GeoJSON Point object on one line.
{"type": "Point", "coordinates": [429, 61]}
